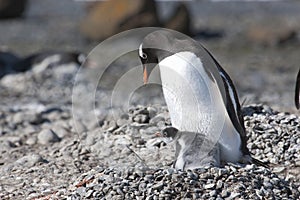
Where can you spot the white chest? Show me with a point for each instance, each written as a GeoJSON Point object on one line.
{"type": "Point", "coordinates": [195, 102]}
{"type": "Point", "coordinates": [193, 99]}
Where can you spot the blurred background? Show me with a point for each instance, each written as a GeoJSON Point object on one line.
{"type": "Point", "coordinates": [257, 42]}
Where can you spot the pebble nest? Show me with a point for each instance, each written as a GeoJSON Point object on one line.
{"type": "Point", "coordinates": [273, 138]}
{"type": "Point", "coordinates": [43, 155]}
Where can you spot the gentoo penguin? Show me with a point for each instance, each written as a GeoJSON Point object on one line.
{"type": "Point", "coordinates": [7, 62]}
{"type": "Point", "coordinates": [42, 60]}
{"type": "Point", "coordinates": [11, 63]}
{"type": "Point", "coordinates": [200, 95]}
{"type": "Point", "coordinates": [297, 100]}
{"type": "Point", "coordinates": [187, 145]}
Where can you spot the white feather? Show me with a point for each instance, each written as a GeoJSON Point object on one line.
{"type": "Point", "coordinates": [195, 103]}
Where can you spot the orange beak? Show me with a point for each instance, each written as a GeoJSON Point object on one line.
{"type": "Point", "coordinates": [145, 75]}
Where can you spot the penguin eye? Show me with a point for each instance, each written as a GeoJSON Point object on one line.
{"type": "Point", "coordinates": [165, 134]}
{"type": "Point", "coordinates": [144, 56]}
{"type": "Point", "coordinates": [141, 53]}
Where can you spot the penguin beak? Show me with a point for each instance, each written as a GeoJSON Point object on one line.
{"type": "Point", "coordinates": [147, 69]}
{"type": "Point", "coordinates": [145, 74]}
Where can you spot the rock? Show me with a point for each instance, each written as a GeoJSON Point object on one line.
{"type": "Point", "coordinates": [219, 184]}
{"type": "Point", "coordinates": [158, 118]}
{"type": "Point", "coordinates": [14, 141]}
{"type": "Point", "coordinates": [105, 19]}
{"type": "Point", "coordinates": [122, 140]}
{"type": "Point", "coordinates": [7, 62]}
{"type": "Point", "coordinates": [30, 160]}
{"type": "Point", "coordinates": [34, 118]}
{"type": "Point", "coordinates": [47, 136]}
{"type": "Point", "coordinates": [209, 186]}
{"type": "Point", "coordinates": [5, 145]}
{"type": "Point", "coordinates": [158, 186]}
{"type": "Point", "coordinates": [279, 169]}
{"type": "Point", "coordinates": [152, 111]}
{"type": "Point", "coordinates": [110, 126]}
{"type": "Point", "coordinates": [225, 193]}
{"type": "Point", "coordinates": [31, 140]}
{"type": "Point", "coordinates": [153, 143]}
{"type": "Point", "coordinates": [14, 82]}
{"type": "Point", "coordinates": [270, 35]}
{"type": "Point", "coordinates": [30, 117]}
{"type": "Point", "coordinates": [60, 131]}
{"type": "Point", "coordinates": [151, 131]}
{"type": "Point", "coordinates": [18, 118]}
{"type": "Point", "coordinates": [12, 8]}
{"type": "Point", "coordinates": [123, 120]}
{"type": "Point", "coordinates": [180, 20]}
{"type": "Point", "coordinates": [213, 193]}
{"type": "Point", "coordinates": [141, 118]}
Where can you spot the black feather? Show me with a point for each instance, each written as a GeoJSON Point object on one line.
{"type": "Point", "coordinates": [297, 103]}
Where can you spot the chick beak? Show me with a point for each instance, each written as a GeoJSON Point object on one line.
{"type": "Point", "coordinates": [158, 134]}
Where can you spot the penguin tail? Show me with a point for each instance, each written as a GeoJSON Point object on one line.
{"type": "Point", "coordinates": [259, 163]}
{"type": "Point", "coordinates": [297, 91]}
{"type": "Point", "coordinates": [248, 159]}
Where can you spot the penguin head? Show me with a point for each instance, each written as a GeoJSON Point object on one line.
{"type": "Point", "coordinates": [155, 47]}
{"type": "Point", "coordinates": [149, 60]}
{"type": "Point", "coordinates": [170, 132]}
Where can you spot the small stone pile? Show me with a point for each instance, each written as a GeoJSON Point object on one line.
{"type": "Point", "coordinates": [138, 181]}
{"type": "Point", "coordinates": [230, 182]}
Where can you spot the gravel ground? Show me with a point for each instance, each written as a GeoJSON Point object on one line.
{"type": "Point", "coordinates": [46, 154]}
{"type": "Point", "coordinates": [43, 154]}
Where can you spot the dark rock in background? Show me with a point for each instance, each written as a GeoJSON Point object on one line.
{"type": "Point", "coordinates": [269, 35]}
{"type": "Point", "coordinates": [180, 20]}
{"type": "Point", "coordinates": [40, 61]}
{"type": "Point", "coordinates": [7, 62]}
{"type": "Point", "coordinates": [107, 18]}
{"type": "Point", "coordinates": [12, 8]}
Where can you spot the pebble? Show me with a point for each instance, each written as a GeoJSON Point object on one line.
{"type": "Point", "coordinates": [112, 125]}
{"type": "Point", "coordinates": [219, 184]}
{"type": "Point", "coordinates": [30, 160]}
{"type": "Point", "coordinates": [47, 136]}
{"type": "Point", "coordinates": [141, 118]}
{"type": "Point", "coordinates": [121, 122]}
{"type": "Point", "coordinates": [158, 118]}
{"type": "Point", "coordinates": [152, 111]}
{"type": "Point", "coordinates": [165, 187]}
{"type": "Point", "coordinates": [31, 140]}
{"type": "Point", "coordinates": [209, 186]}
{"type": "Point", "coordinates": [113, 171]}
{"type": "Point", "coordinates": [60, 131]}
{"type": "Point", "coordinates": [18, 118]}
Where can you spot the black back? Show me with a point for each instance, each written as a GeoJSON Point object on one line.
{"type": "Point", "coordinates": [297, 90]}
